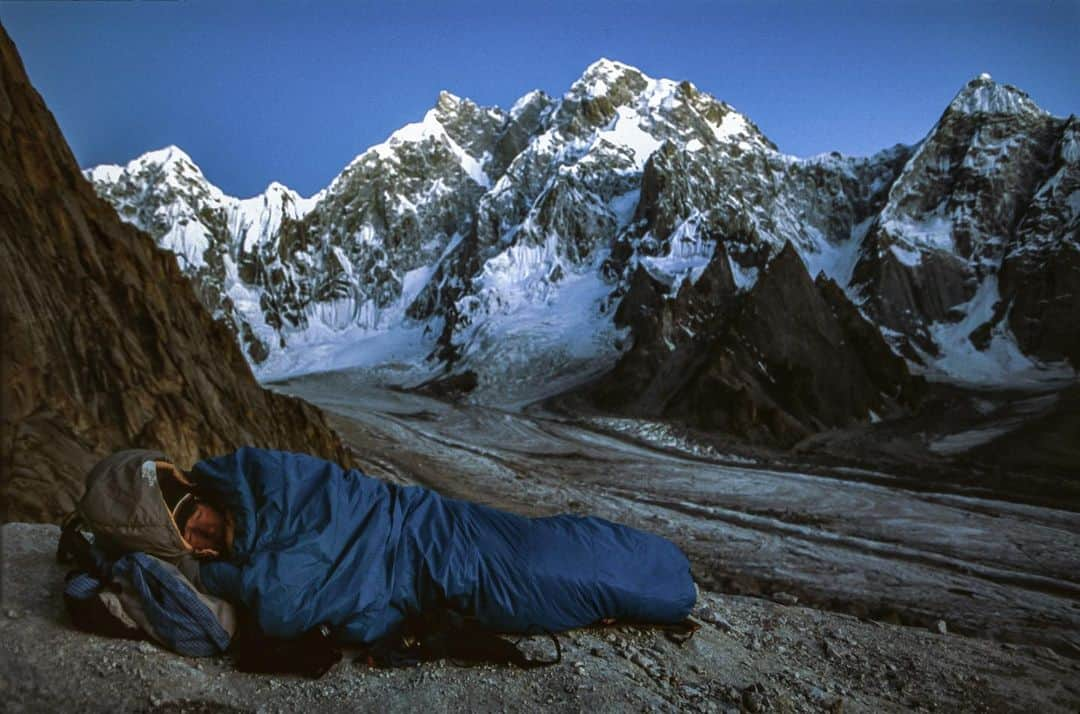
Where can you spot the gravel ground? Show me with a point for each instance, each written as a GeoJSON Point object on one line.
{"type": "Point", "coordinates": [750, 655]}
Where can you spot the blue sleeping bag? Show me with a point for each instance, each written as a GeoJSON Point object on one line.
{"type": "Point", "coordinates": [317, 544]}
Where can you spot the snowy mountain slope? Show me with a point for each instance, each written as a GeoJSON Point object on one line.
{"type": "Point", "coordinates": [501, 241]}
{"type": "Point", "coordinates": [165, 194]}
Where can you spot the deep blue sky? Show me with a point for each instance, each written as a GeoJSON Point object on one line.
{"type": "Point", "coordinates": [291, 91]}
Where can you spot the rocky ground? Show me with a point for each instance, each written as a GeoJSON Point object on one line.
{"type": "Point", "coordinates": [750, 655]}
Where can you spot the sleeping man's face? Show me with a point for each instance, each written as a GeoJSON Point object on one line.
{"type": "Point", "coordinates": [205, 529]}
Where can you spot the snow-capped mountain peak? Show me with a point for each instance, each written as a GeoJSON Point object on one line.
{"type": "Point", "coordinates": [277, 187]}
{"type": "Point", "coordinates": [527, 100]}
{"type": "Point", "coordinates": [171, 154]}
{"type": "Point", "coordinates": [169, 161]}
{"type": "Point", "coordinates": [982, 95]}
{"type": "Point", "coordinates": [457, 124]}
{"type": "Point", "coordinates": [599, 77]}
{"type": "Point", "coordinates": [277, 196]}
{"type": "Point", "coordinates": [428, 127]}
{"type": "Point", "coordinates": [447, 101]}
{"type": "Point", "coordinates": [610, 81]}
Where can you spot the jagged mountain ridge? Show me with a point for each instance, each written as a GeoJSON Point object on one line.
{"type": "Point", "coordinates": [776, 363]}
{"type": "Point", "coordinates": [485, 227]}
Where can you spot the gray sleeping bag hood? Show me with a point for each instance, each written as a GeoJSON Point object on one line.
{"type": "Point", "coordinates": [125, 506]}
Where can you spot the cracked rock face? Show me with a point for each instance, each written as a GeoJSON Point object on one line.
{"type": "Point", "coordinates": [106, 344]}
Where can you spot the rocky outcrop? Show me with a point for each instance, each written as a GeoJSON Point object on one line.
{"type": "Point", "coordinates": [789, 358]}
{"type": "Point", "coordinates": [106, 344]}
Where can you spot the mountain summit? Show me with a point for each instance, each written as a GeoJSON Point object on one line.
{"type": "Point", "coordinates": [982, 95]}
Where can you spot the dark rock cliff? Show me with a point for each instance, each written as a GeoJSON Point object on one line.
{"type": "Point", "coordinates": [791, 357]}
{"type": "Point", "coordinates": [105, 344]}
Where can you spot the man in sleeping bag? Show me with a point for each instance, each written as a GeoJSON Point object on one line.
{"type": "Point", "coordinates": [304, 544]}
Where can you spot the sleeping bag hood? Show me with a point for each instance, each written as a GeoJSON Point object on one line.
{"type": "Point", "coordinates": [125, 507]}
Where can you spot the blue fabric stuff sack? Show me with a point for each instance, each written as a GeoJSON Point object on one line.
{"type": "Point", "coordinates": [150, 596]}
{"type": "Point", "coordinates": [318, 544]}
{"type": "Point", "coordinates": [175, 615]}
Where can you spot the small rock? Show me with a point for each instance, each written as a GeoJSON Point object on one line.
{"type": "Point", "coordinates": [12, 614]}
{"type": "Point", "coordinates": [722, 624]}
{"type": "Point", "coordinates": [785, 598]}
{"type": "Point", "coordinates": [147, 648]}
{"type": "Point", "coordinates": [830, 649]}
{"type": "Point", "coordinates": [1047, 653]}
{"type": "Point", "coordinates": [690, 692]}
{"type": "Point", "coordinates": [783, 703]}
{"type": "Point", "coordinates": [940, 627]}
{"type": "Point", "coordinates": [752, 699]}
